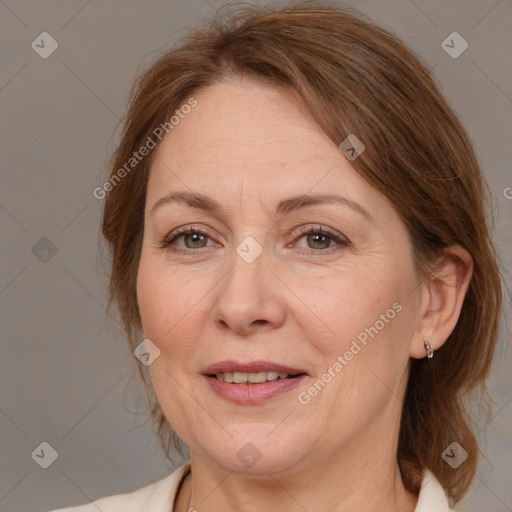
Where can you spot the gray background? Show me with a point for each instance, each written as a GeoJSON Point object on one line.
{"type": "Point", "coordinates": [67, 376]}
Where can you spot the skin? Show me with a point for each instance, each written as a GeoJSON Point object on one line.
{"type": "Point", "coordinates": [301, 303]}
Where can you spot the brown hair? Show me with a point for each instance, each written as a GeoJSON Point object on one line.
{"type": "Point", "coordinates": [355, 78]}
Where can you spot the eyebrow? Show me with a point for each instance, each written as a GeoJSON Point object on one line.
{"type": "Point", "coordinates": [284, 206]}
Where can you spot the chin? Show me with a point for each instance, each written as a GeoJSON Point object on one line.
{"type": "Point", "coordinates": [257, 453]}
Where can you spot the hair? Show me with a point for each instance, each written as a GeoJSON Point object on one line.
{"type": "Point", "coordinates": [355, 78]}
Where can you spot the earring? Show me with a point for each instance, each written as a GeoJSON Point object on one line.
{"type": "Point", "coordinates": [429, 349]}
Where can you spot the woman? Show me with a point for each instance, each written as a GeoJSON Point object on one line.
{"type": "Point", "coordinates": [298, 230]}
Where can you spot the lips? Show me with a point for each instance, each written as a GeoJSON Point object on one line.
{"type": "Point", "coordinates": [252, 382]}
{"type": "Point", "coordinates": [251, 367]}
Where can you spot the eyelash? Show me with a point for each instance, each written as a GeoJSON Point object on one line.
{"type": "Point", "coordinates": [192, 230]}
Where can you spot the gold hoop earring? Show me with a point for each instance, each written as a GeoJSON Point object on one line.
{"type": "Point", "coordinates": [429, 349]}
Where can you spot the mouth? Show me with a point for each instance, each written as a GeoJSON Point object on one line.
{"type": "Point", "coordinates": [254, 372]}
{"type": "Point", "coordinates": [251, 383]}
{"type": "Point", "coordinates": [254, 377]}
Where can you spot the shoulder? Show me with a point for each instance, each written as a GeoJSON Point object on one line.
{"type": "Point", "coordinates": [157, 497]}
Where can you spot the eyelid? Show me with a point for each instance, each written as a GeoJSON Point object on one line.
{"type": "Point", "coordinates": [184, 230]}
{"type": "Point", "coordinates": [341, 241]}
{"type": "Point", "coordinates": [318, 228]}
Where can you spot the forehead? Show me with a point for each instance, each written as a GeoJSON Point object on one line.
{"type": "Point", "coordinates": [247, 127]}
{"type": "Point", "coordinates": [237, 120]}
{"type": "Point", "coordinates": [249, 140]}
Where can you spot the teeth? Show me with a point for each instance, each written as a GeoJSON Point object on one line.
{"type": "Point", "coordinates": [239, 377]}
{"type": "Point", "coordinates": [257, 378]}
{"type": "Point", "coordinates": [250, 378]}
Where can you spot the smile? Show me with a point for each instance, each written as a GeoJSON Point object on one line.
{"type": "Point", "coordinates": [252, 378]}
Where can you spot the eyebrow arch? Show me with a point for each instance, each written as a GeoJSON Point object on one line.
{"type": "Point", "coordinates": [209, 204]}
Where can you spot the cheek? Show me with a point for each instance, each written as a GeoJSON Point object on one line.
{"type": "Point", "coordinates": [153, 299]}
{"type": "Point", "coordinates": [167, 315]}
{"type": "Point", "coordinates": [343, 304]}
{"type": "Point", "coordinates": [163, 304]}
{"type": "Point", "coordinates": [364, 314]}
{"type": "Point", "coordinates": [368, 354]}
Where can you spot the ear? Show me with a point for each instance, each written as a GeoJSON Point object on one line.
{"type": "Point", "coordinates": [441, 298]}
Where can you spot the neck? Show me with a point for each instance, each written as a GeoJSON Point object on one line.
{"type": "Point", "coordinates": [330, 486]}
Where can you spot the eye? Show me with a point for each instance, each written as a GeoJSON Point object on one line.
{"type": "Point", "coordinates": [193, 238]}
{"type": "Point", "coordinates": [319, 239]}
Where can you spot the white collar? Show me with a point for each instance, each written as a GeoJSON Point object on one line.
{"type": "Point", "coordinates": [159, 495]}
{"type": "Point", "coordinates": [432, 497]}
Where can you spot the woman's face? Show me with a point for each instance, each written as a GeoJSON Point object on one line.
{"type": "Point", "coordinates": [250, 290]}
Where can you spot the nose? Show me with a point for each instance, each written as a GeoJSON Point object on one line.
{"type": "Point", "coordinates": [249, 298]}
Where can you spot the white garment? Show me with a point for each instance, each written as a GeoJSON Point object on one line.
{"type": "Point", "coordinates": [160, 496]}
